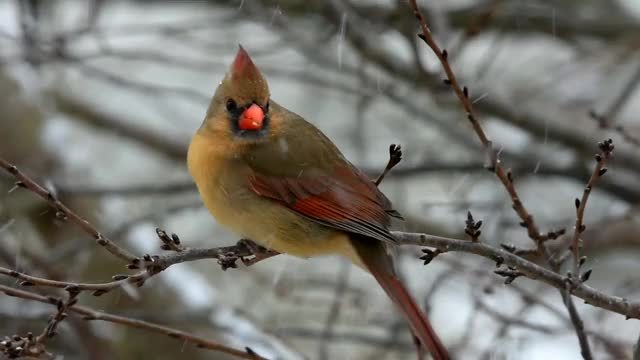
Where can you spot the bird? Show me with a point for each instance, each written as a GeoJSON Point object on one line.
{"type": "Point", "coordinates": [270, 176]}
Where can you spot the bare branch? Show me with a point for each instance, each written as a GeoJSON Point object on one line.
{"type": "Point", "coordinates": [395, 156]}
{"type": "Point", "coordinates": [64, 213]}
{"type": "Point", "coordinates": [505, 177]}
{"type": "Point", "coordinates": [527, 268]}
{"type": "Point", "coordinates": [493, 163]}
{"type": "Point", "coordinates": [606, 149]}
{"type": "Point", "coordinates": [578, 324]}
{"type": "Point", "coordinates": [91, 314]}
{"type": "Point", "coordinates": [29, 346]}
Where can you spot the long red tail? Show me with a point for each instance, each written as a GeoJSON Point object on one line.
{"type": "Point", "coordinates": [374, 257]}
{"type": "Point", "coordinates": [417, 319]}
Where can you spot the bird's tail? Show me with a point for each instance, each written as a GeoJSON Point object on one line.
{"type": "Point", "coordinates": [380, 266]}
{"type": "Point", "coordinates": [420, 326]}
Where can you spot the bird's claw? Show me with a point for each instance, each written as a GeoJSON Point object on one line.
{"type": "Point", "coordinates": [256, 252]}
{"type": "Point", "coordinates": [227, 261]}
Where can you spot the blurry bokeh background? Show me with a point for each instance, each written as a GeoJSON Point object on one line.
{"type": "Point", "coordinates": [99, 99]}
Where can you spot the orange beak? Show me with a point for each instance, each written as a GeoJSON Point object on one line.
{"type": "Point", "coordinates": [252, 118]}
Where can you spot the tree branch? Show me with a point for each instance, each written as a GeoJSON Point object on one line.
{"type": "Point", "coordinates": [91, 314]}
{"type": "Point", "coordinates": [606, 149]}
{"type": "Point", "coordinates": [505, 177]}
{"type": "Point", "coordinates": [529, 269]}
{"type": "Point", "coordinates": [64, 213]}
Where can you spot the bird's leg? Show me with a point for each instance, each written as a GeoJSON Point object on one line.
{"type": "Point", "coordinates": [395, 156]}
{"type": "Point", "coordinates": [258, 252]}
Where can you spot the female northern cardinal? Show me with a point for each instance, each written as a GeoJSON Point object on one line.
{"type": "Point", "coordinates": [272, 177]}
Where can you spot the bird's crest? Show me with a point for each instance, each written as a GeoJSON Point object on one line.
{"type": "Point", "coordinates": [245, 80]}
{"type": "Point", "coordinates": [243, 67]}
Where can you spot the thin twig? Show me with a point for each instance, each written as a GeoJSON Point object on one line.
{"type": "Point", "coordinates": [395, 156]}
{"type": "Point", "coordinates": [82, 331]}
{"type": "Point", "coordinates": [63, 212]}
{"type": "Point", "coordinates": [91, 314]}
{"type": "Point", "coordinates": [62, 306]}
{"type": "Point", "coordinates": [578, 324]}
{"type": "Point", "coordinates": [97, 288]}
{"type": "Point", "coordinates": [493, 162]}
{"type": "Point", "coordinates": [606, 149]}
{"type": "Point", "coordinates": [152, 265]}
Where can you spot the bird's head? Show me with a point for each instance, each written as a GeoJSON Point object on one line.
{"type": "Point", "coordinates": [240, 106]}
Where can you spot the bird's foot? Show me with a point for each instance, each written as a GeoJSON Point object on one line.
{"type": "Point", "coordinates": [228, 261]}
{"type": "Point", "coordinates": [258, 253]}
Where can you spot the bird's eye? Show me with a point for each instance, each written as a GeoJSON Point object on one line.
{"type": "Point", "coordinates": [266, 108]}
{"type": "Point", "coordinates": [231, 105]}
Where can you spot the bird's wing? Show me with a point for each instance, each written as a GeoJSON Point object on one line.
{"type": "Point", "coordinates": [345, 200]}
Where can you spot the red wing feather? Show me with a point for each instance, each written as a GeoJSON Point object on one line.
{"type": "Point", "coordinates": [347, 200]}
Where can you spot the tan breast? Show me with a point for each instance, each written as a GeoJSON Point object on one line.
{"type": "Point", "coordinates": [223, 184]}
